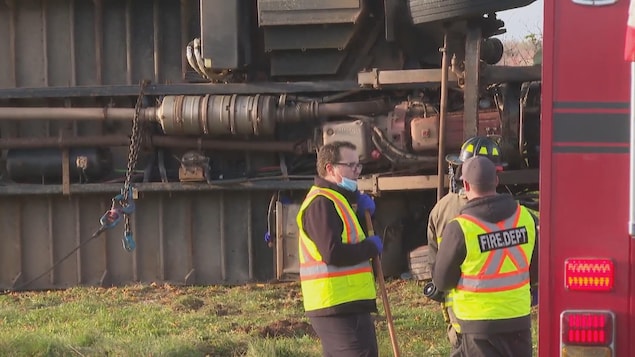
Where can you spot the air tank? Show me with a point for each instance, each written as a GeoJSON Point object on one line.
{"type": "Point", "coordinates": [45, 165]}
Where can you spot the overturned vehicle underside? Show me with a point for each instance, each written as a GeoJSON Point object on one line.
{"type": "Point", "coordinates": [202, 119]}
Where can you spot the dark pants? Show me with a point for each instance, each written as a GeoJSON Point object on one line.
{"type": "Point", "coordinates": [346, 335]}
{"type": "Point", "coordinates": [510, 344]}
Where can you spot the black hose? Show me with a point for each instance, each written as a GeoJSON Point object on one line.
{"type": "Point", "coordinates": [396, 155]}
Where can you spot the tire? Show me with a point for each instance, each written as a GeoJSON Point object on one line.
{"type": "Point", "coordinates": [424, 11]}
{"type": "Point", "coordinates": [419, 263]}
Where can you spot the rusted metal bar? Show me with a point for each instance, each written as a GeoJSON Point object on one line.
{"type": "Point", "coordinates": [442, 119]}
{"type": "Point", "coordinates": [155, 141]}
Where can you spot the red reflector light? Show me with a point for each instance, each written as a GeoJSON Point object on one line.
{"type": "Point", "coordinates": [589, 274]}
{"type": "Point", "coordinates": [588, 328]}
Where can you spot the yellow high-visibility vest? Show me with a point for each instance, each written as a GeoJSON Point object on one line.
{"type": "Point", "coordinates": [494, 282]}
{"type": "Point", "coordinates": [325, 285]}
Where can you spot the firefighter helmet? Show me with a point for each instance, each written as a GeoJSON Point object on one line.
{"type": "Point", "coordinates": [477, 145]}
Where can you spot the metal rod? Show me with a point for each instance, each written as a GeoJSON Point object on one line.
{"type": "Point", "coordinates": [442, 119]}
{"type": "Point", "coordinates": [46, 113]}
{"type": "Point", "coordinates": [155, 141]}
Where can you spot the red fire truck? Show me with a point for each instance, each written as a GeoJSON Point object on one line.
{"type": "Point", "coordinates": [586, 251]}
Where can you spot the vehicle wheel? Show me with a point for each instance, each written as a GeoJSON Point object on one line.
{"type": "Point", "coordinates": [422, 11]}
{"type": "Point", "coordinates": [419, 263]}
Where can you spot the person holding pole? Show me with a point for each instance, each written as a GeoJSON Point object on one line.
{"type": "Point", "coordinates": [336, 276]}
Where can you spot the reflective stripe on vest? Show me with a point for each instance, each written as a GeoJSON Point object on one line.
{"type": "Point", "coordinates": [490, 279]}
{"type": "Point", "coordinates": [319, 270]}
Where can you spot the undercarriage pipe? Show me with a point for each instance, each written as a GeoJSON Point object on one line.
{"type": "Point", "coordinates": [154, 141]}
{"type": "Point", "coordinates": [80, 114]}
{"type": "Point", "coordinates": [314, 110]}
{"type": "Point", "coordinates": [209, 115]}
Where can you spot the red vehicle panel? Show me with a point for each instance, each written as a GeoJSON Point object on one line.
{"type": "Point", "coordinates": [584, 164]}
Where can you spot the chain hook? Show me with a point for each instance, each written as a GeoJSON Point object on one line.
{"type": "Point", "coordinates": [128, 242]}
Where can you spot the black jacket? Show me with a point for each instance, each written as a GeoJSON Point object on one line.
{"type": "Point", "coordinates": [324, 227]}
{"type": "Point", "coordinates": [452, 252]}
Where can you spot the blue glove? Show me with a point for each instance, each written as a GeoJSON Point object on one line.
{"type": "Point", "coordinates": [365, 203]}
{"type": "Point", "coordinates": [377, 243]}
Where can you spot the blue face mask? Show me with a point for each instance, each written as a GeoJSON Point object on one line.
{"type": "Point", "coordinates": [348, 184]}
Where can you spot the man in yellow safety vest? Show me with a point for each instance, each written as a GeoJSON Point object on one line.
{"type": "Point", "coordinates": [338, 286]}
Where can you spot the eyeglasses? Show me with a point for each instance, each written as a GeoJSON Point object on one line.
{"type": "Point", "coordinates": [351, 165]}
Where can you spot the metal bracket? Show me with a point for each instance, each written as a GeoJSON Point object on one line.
{"type": "Point", "coordinates": [66, 180]}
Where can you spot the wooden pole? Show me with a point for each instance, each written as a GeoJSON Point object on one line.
{"type": "Point", "coordinates": [382, 289]}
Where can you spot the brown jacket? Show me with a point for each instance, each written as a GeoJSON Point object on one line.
{"type": "Point", "coordinates": [448, 207]}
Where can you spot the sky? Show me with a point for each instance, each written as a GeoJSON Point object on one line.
{"type": "Point", "coordinates": [522, 21]}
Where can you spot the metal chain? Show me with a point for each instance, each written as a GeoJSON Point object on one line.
{"type": "Point", "coordinates": [135, 141]}
{"type": "Point", "coordinates": [133, 154]}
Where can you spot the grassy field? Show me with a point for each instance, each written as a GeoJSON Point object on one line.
{"type": "Point", "coordinates": [166, 320]}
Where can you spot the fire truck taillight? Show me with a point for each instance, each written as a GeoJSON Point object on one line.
{"type": "Point", "coordinates": [587, 333]}
{"type": "Point", "coordinates": [589, 274]}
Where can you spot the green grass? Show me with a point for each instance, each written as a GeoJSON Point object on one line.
{"type": "Point", "coordinates": [164, 320]}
